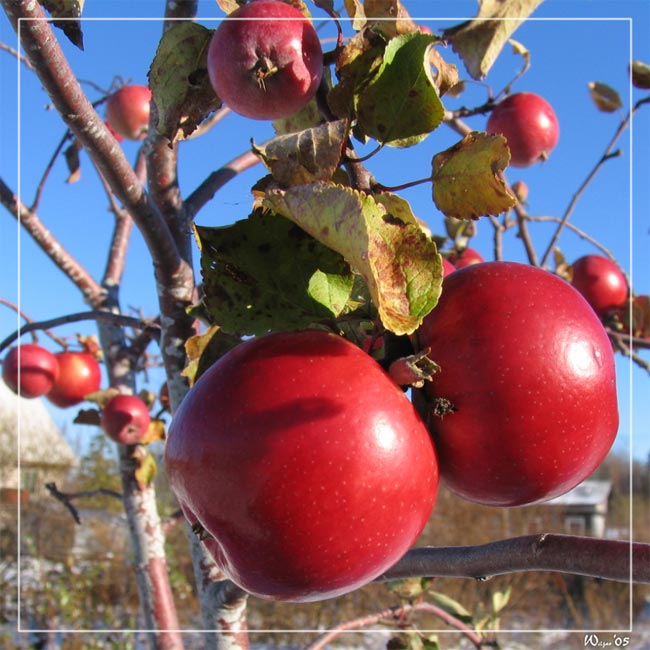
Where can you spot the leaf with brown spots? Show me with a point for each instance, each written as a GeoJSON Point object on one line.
{"type": "Point", "coordinates": [379, 237]}
{"type": "Point", "coordinates": [468, 178]}
{"type": "Point", "coordinates": [401, 105]}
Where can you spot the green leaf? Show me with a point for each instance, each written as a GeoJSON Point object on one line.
{"type": "Point", "coordinates": [468, 178]}
{"type": "Point", "coordinates": [179, 82]}
{"type": "Point", "coordinates": [401, 106]}
{"type": "Point", "coordinates": [605, 97]}
{"type": "Point", "coordinates": [265, 273]}
{"type": "Point", "coordinates": [479, 42]}
{"type": "Point", "coordinates": [379, 237]}
{"type": "Point", "coordinates": [70, 10]}
{"type": "Point", "coordinates": [310, 155]}
{"type": "Point", "coordinates": [356, 66]}
{"type": "Point", "coordinates": [450, 606]}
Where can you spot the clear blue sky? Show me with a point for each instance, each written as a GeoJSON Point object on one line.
{"type": "Point", "coordinates": [571, 43]}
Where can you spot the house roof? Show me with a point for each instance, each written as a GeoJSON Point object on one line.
{"type": "Point", "coordinates": [587, 493]}
{"type": "Point", "coordinates": [41, 441]}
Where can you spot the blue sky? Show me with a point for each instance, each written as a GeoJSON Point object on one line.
{"type": "Point", "coordinates": [571, 44]}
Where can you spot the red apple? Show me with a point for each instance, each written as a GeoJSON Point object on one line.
{"type": "Point", "coordinates": [125, 419]}
{"type": "Point", "coordinates": [601, 282]}
{"type": "Point", "coordinates": [79, 375]}
{"type": "Point", "coordinates": [447, 267]}
{"type": "Point", "coordinates": [524, 407]}
{"type": "Point", "coordinates": [465, 257]}
{"type": "Point", "coordinates": [530, 126]}
{"type": "Point", "coordinates": [127, 111]}
{"type": "Point", "coordinates": [265, 61]}
{"type": "Point", "coordinates": [310, 470]}
{"type": "Point", "coordinates": [30, 370]}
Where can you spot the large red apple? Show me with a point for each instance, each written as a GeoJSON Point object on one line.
{"type": "Point", "coordinates": [308, 468]}
{"type": "Point", "coordinates": [601, 282]}
{"type": "Point", "coordinates": [79, 375]}
{"type": "Point", "coordinates": [530, 126]}
{"type": "Point", "coordinates": [265, 60]}
{"type": "Point", "coordinates": [125, 419]}
{"type": "Point", "coordinates": [30, 370]}
{"type": "Point", "coordinates": [524, 407]}
{"type": "Point", "coordinates": [127, 111]}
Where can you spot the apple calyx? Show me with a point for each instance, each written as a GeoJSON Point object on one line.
{"type": "Point", "coordinates": [263, 68]}
{"type": "Point", "coordinates": [200, 531]}
{"type": "Point", "coordinates": [414, 370]}
{"type": "Point", "coordinates": [441, 406]}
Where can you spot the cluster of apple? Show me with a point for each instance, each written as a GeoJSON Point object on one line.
{"type": "Point", "coordinates": [68, 378]}
{"type": "Point", "coordinates": [316, 472]}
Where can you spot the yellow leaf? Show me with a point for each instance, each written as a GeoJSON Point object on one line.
{"type": "Point", "coordinates": [468, 180]}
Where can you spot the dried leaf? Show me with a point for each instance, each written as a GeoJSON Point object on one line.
{"type": "Point", "coordinates": [468, 178]}
{"type": "Point", "coordinates": [68, 9]}
{"type": "Point", "coordinates": [179, 82]}
{"type": "Point", "coordinates": [640, 73]}
{"type": "Point", "coordinates": [310, 155]}
{"type": "Point", "coordinates": [88, 416]}
{"type": "Point", "coordinates": [641, 317]}
{"type": "Point", "coordinates": [401, 106]}
{"type": "Point", "coordinates": [73, 162]}
{"type": "Point", "coordinates": [451, 606]}
{"type": "Point", "coordinates": [381, 240]}
{"type": "Point", "coordinates": [394, 19]}
{"type": "Point", "coordinates": [479, 42]}
{"type": "Point", "coordinates": [228, 6]}
{"type": "Point", "coordinates": [446, 76]}
{"type": "Point", "coordinates": [605, 97]}
{"type": "Point", "coordinates": [204, 349]}
{"type": "Point", "coordinates": [356, 12]}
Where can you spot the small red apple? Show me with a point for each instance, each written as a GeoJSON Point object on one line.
{"type": "Point", "coordinates": [447, 267]}
{"type": "Point", "coordinates": [524, 406]}
{"type": "Point", "coordinates": [465, 257]}
{"type": "Point", "coordinates": [127, 111]}
{"type": "Point", "coordinates": [30, 370]}
{"type": "Point", "coordinates": [530, 126]}
{"type": "Point", "coordinates": [600, 281]}
{"type": "Point", "coordinates": [265, 60]}
{"type": "Point", "coordinates": [125, 419]}
{"type": "Point", "coordinates": [304, 463]}
{"type": "Point", "coordinates": [79, 375]}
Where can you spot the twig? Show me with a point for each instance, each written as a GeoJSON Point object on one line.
{"type": "Point", "coordinates": [586, 556]}
{"type": "Point", "coordinates": [17, 54]}
{"type": "Point", "coordinates": [27, 319]}
{"type": "Point", "coordinates": [66, 498]}
{"type": "Point", "coordinates": [92, 291]}
{"type": "Point", "coordinates": [115, 319]}
{"type": "Point", "coordinates": [50, 165]}
{"type": "Point", "coordinates": [608, 155]}
{"type": "Point", "coordinates": [395, 614]}
{"type": "Point", "coordinates": [211, 185]}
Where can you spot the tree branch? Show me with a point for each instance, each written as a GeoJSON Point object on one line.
{"type": "Point", "coordinates": [92, 291]}
{"type": "Point", "coordinates": [66, 498]}
{"type": "Point", "coordinates": [59, 81]}
{"type": "Point", "coordinates": [96, 315]}
{"type": "Point", "coordinates": [213, 183]}
{"type": "Point", "coordinates": [395, 614]}
{"type": "Point", "coordinates": [607, 155]}
{"type": "Point", "coordinates": [586, 556]}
